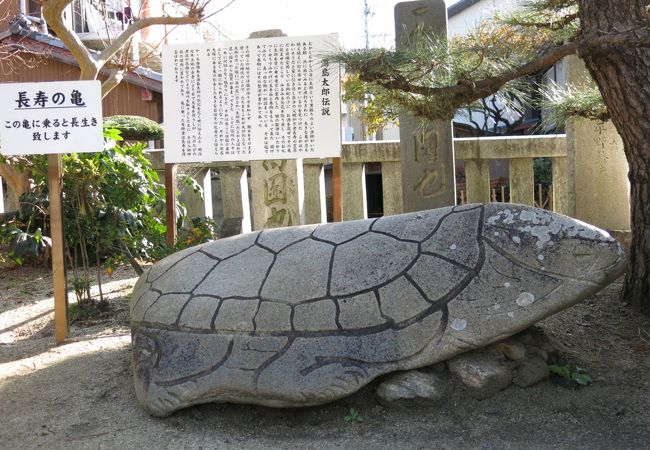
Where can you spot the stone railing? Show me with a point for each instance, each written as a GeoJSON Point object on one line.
{"type": "Point", "coordinates": [475, 152]}
{"type": "Point", "coordinates": [519, 151]}
{"type": "Point", "coordinates": [348, 182]}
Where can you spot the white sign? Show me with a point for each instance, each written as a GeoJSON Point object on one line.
{"type": "Point", "coordinates": [55, 117]}
{"type": "Point", "coordinates": [271, 98]}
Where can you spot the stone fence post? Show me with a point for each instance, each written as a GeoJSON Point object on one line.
{"type": "Point", "coordinates": [197, 206]}
{"type": "Point", "coordinates": [599, 190]}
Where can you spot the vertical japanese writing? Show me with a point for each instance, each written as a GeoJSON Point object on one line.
{"type": "Point", "coordinates": [260, 99]}
{"type": "Point", "coordinates": [325, 89]}
{"type": "Point", "coordinates": [187, 76]}
{"type": "Point", "coordinates": [231, 100]}
{"type": "Point", "coordinates": [285, 97]}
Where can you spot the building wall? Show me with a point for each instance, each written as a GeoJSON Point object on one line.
{"type": "Point", "coordinates": [8, 9]}
{"type": "Point", "coordinates": [471, 16]}
{"type": "Point", "coordinates": [124, 99]}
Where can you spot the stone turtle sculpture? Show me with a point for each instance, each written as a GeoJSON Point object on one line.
{"type": "Point", "coordinates": [305, 315]}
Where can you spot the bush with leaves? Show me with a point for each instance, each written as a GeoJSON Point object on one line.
{"type": "Point", "coordinates": [114, 208]}
{"type": "Point", "coordinates": [135, 128]}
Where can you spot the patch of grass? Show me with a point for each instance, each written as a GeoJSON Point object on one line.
{"type": "Point", "coordinates": [88, 311]}
{"type": "Point", "coordinates": [574, 376]}
{"type": "Point", "coordinates": [353, 416]}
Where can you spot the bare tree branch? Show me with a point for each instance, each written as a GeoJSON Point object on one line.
{"type": "Point", "coordinates": [53, 15]}
{"type": "Point", "coordinates": [193, 17]}
{"type": "Point", "coordinates": [114, 78]}
{"type": "Point", "coordinates": [91, 63]}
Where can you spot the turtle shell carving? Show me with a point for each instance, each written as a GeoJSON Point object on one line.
{"type": "Point", "coordinates": [304, 315]}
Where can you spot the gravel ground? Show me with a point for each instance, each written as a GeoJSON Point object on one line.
{"type": "Point", "coordinates": [79, 395]}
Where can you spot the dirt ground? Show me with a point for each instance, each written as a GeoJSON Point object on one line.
{"type": "Point", "coordinates": [79, 395]}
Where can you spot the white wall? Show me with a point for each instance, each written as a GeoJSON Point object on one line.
{"type": "Point", "coordinates": [470, 17]}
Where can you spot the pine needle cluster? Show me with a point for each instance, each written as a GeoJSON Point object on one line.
{"type": "Point", "coordinates": [431, 76]}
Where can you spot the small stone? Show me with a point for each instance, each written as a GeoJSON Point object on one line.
{"type": "Point", "coordinates": [534, 350]}
{"type": "Point", "coordinates": [552, 346]}
{"type": "Point", "coordinates": [438, 368]}
{"type": "Point", "coordinates": [531, 371]}
{"type": "Point", "coordinates": [412, 387]}
{"type": "Point", "coordinates": [512, 350]}
{"type": "Point", "coordinates": [483, 373]}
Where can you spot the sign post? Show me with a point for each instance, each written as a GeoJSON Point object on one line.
{"type": "Point", "coordinates": [59, 279]}
{"type": "Point", "coordinates": [50, 119]}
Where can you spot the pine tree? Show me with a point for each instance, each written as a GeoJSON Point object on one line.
{"type": "Point", "coordinates": [437, 76]}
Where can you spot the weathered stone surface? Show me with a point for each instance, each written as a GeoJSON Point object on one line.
{"type": "Point", "coordinates": [512, 350]}
{"type": "Point", "coordinates": [531, 371]}
{"type": "Point", "coordinates": [484, 373]}
{"type": "Point", "coordinates": [302, 316]}
{"type": "Point", "coordinates": [412, 387]}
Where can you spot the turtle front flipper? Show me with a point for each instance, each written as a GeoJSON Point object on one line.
{"type": "Point", "coordinates": [177, 369]}
{"type": "Point", "coordinates": [317, 369]}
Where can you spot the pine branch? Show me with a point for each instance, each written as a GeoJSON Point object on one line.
{"type": "Point", "coordinates": [436, 97]}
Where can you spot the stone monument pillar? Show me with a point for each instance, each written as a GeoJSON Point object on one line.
{"type": "Point", "coordinates": [599, 190]}
{"type": "Point", "coordinates": [277, 185]}
{"type": "Point", "coordinates": [427, 150]}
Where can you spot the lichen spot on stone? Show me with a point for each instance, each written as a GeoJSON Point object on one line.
{"type": "Point", "coordinates": [540, 257]}
{"type": "Point", "coordinates": [516, 239]}
{"type": "Point", "coordinates": [525, 299]}
{"type": "Point", "coordinates": [452, 247]}
{"type": "Point", "coordinates": [506, 216]}
{"type": "Point", "coordinates": [506, 284]}
{"type": "Point", "coordinates": [459, 324]}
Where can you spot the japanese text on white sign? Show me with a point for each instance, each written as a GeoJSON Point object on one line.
{"type": "Point", "coordinates": [47, 118]}
{"type": "Point", "coordinates": [272, 98]}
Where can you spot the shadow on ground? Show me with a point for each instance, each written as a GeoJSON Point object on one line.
{"type": "Point", "coordinates": [83, 398]}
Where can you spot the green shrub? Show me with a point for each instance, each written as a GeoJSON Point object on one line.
{"type": "Point", "coordinates": [135, 128]}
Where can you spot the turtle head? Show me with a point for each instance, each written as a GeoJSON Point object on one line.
{"type": "Point", "coordinates": [553, 244]}
{"type": "Point", "coordinates": [533, 264]}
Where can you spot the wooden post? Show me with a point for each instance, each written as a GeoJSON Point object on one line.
{"type": "Point", "coordinates": [170, 202]}
{"type": "Point", "coordinates": [61, 327]}
{"type": "Point", "coordinates": [2, 198]}
{"type": "Point", "coordinates": [336, 189]}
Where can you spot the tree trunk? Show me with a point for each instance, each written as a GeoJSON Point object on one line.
{"type": "Point", "coordinates": [623, 76]}
{"type": "Point", "coordinates": [18, 178]}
